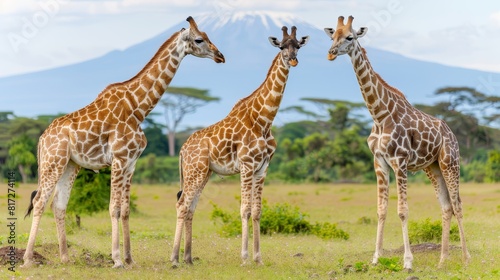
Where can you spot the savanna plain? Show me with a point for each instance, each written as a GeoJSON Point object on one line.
{"type": "Point", "coordinates": [285, 256]}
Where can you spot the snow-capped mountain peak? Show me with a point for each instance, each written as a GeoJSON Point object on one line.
{"type": "Point", "coordinates": [266, 18]}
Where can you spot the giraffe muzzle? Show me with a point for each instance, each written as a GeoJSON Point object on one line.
{"type": "Point", "coordinates": [293, 62]}
{"type": "Point", "coordinates": [219, 57]}
{"type": "Point", "coordinates": [332, 54]}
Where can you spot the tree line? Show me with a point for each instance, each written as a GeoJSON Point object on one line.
{"type": "Point", "coordinates": [328, 145]}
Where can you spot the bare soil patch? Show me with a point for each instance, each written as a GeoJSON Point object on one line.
{"type": "Point", "coordinates": [19, 253]}
{"type": "Point", "coordinates": [423, 248]}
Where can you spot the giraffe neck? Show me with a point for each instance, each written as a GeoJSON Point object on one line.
{"type": "Point", "coordinates": [380, 98]}
{"type": "Point", "coordinates": [145, 89]}
{"type": "Point", "coordinates": [263, 103]}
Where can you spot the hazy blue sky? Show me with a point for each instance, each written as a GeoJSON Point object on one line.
{"type": "Point", "coordinates": [42, 34]}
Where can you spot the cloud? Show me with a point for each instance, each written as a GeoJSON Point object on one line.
{"type": "Point", "coordinates": [495, 18]}
{"type": "Point", "coordinates": [93, 7]}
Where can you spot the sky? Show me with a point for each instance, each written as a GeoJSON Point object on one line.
{"type": "Point", "coordinates": [43, 34]}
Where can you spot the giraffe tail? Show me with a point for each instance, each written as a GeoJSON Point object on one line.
{"type": "Point", "coordinates": [30, 208]}
{"type": "Point", "coordinates": [181, 178]}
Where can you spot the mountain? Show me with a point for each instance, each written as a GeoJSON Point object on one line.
{"type": "Point", "coordinates": [243, 39]}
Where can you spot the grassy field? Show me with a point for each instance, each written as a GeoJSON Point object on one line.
{"type": "Point", "coordinates": [284, 256]}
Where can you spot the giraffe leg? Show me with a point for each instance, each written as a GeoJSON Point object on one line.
{"type": "Point", "coordinates": [39, 202]}
{"type": "Point", "coordinates": [434, 173]}
{"type": "Point", "coordinates": [124, 214]}
{"type": "Point", "coordinates": [188, 224]}
{"type": "Point", "coordinates": [59, 204]}
{"type": "Point", "coordinates": [114, 212]}
{"type": "Point", "coordinates": [246, 209]}
{"type": "Point", "coordinates": [49, 174]}
{"type": "Point", "coordinates": [256, 214]}
{"type": "Point", "coordinates": [451, 175]}
{"type": "Point", "coordinates": [401, 179]}
{"type": "Point", "coordinates": [194, 180]}
{"type": "Point", "coordinates": [117, 190]}
{"type": "Point", "coordinates": [177, 237]}
{"type": "Point", "coordinates": [188, 219]}
{"type": "Point", "coordinates": [382, 173]}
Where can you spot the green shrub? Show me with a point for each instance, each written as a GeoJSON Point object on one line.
{"type": "Point", "coordinates": [283, 218]}
{"type": "Point", "coordinates": [390, 264]}
{"type": "Point", "coordinates": [475, 171]}
{"type": "Point", "coordinates": [230, 223]}
{"type": "Point", "coordinates": [329, 231]}
{"type": "Point", "coordinates": [493, 167]}
{"type": "Point", "coordinates": [280, 218]}
{"type": "Point", "coordinates": [91, 194]}
{"type": "Point", "coordinates": [427, 230]}
{"type": "Point", "coordinates": [365, 221]}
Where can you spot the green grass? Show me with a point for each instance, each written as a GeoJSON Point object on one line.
{"type": "Point", "coordinates": [284, 256]}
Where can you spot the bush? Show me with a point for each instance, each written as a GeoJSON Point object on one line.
{"type": "Point", "coordinates": [427, 230]}
{"type": "Point", "coordinates": [281, 218]}
{"type": "Point", "coordinates": [329, 231]}
{"type": "Point", "coordinates": [389, 264]}
{"type": "Point", "coordinates": [230, 223]}
{"type": "Point", "coordinates": [91, 194]}
{"type": "Point", "coordinates": [475, 171]}
{"type": "Point", "coordinates": [152, 169]}
{"type": "Point", "coordinates": [493, 167]}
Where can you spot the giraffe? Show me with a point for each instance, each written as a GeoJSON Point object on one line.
{"type": "Point", "coordinates": [240, 143]}
{"type": "Point", "coordinates": [106, 133]}
{"type": "Point", "coordinates": [405, 139]}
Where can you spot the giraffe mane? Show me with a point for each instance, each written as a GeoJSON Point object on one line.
{"type": "Point", "coordinates": [243, 100]}
{"type": "Point", "coordinates": [151, 61]}
{"type": "Point", "coordinates": [380, 79]}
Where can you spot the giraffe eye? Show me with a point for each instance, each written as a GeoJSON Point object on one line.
{"type": "Point", "coordinates": [349, 38]}
{"type": "Point", "coordinates": [198, 41]}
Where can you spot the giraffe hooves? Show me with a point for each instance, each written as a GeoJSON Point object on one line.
{"type": "Point", "coordinates": [442, 261]}
{"type": "Point", "coordinates": [467, 258]}
{"type": "Point", "coordinates": [65, 259]}
{"type": "Point", "coordinates": [129, 261]}
{"type": "Point", "coordinates": [27, 264]}
{"type": "Point", "coordinates": [175, 265]}
{"type": "Point", "coordinates": [408, 266]}
{"type": "Point", "coordinates": [118, 265]}
{"type": "Point", "coordinates": [257, 259]}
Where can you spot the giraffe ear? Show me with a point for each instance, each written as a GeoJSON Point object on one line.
{"type": "Point", "coordinates": [329, 31]}
{"type": "Point", "coordinates": [274, 42]}
{"type": "Point", "coordinates": [362, 32]}
{"type": "Point", "coordinates": [303, 41]}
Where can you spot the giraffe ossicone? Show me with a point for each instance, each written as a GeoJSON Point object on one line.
{"type": "Point", "coordinates": [106, 133]}
{"type": "Point", "coordinates": [405, 139]}
{"type": "Point", "coordinates": [240, 143]}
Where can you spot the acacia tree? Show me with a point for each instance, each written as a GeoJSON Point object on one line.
{"type": "Point", "coordinates": [466, 111]}
{"type": "Point", "coordinates": [179, 102]}
{"type": "Point", "coordinates": [341, 113]}
{"type": "Point", "coordinates": [21, 156]}
{"type": "Point", "coordinates": [469, 101]}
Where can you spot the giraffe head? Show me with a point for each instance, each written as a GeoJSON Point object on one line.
{"type": "Point", "coordinates": [344, 38]}
{"type": "Point", "coordinates": [198, 44]}
{"type": "Point", "coordinates": [289, 45]}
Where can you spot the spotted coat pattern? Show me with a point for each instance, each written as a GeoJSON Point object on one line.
{"type": "Point", "coordinates": [405, 139]}
{"type": "Point", "coordinates": [106, 133]}
{"type": "Point", "coordinates": [241, 143]}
